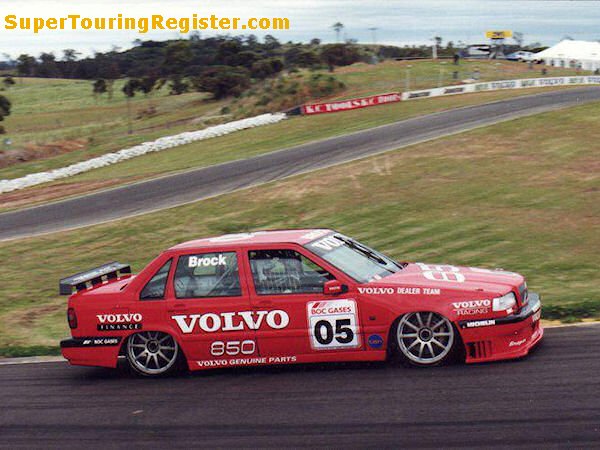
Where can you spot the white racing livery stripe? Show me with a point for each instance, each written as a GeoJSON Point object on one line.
{"type": "Point", "coordinates": [158, 145]}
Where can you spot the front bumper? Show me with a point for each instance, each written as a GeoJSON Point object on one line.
{"type": "Point", "coordinates": [92, 351]}
{"type": "Point", "coordinates": [503, 338]}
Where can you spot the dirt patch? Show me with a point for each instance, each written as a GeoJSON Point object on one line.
{"type": "Point", "coordinates": [27, 318]}
{"type": "Point", "coordinates": [32, 152]}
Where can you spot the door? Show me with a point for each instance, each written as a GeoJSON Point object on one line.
{"type": "Point", "coordinates": [209, 307]}
{"type": "Point", "coordinates": [286, 283]}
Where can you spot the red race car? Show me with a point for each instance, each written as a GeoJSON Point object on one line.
{"type": "Point", "coordinates": [293, 296]}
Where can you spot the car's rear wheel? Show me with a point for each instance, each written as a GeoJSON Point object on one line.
{"type": "Point", "coordinates": [152, 353]}
{"type": "Point", "coordinates": [425, 338]}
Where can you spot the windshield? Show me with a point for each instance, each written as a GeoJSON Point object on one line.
{"type": "Point", "coordinates": [353, 258]}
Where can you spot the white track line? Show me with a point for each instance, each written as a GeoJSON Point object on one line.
{"type": "Point", "coordinates": [32, 360]}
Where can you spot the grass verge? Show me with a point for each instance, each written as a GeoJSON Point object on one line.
{"type": "Point", "coordinates": [59, 113]}
{"type": "Point", "coordinates": [502, 196]}
{"type": "Point", "coordinates": [244, 144]}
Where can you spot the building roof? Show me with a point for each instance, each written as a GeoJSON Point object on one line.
{"type": "Point", "coordinates": [301, 237]}
{"type": "Point", "coordinates": [569, 49]}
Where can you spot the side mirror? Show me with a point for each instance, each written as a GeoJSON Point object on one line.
{"type": "Point", "coordinates": [334, 287]}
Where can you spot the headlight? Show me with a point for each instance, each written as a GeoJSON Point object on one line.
{"type": "Point", "coordinates": [505, 302]}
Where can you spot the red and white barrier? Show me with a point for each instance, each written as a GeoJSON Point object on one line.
{"type": "Point", "coordinates": [354, 103]}
{"type": "Point", "coordinates": [501, 85]}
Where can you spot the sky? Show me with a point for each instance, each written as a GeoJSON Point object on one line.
{"type": "Point", "coordinates": [398, 22]}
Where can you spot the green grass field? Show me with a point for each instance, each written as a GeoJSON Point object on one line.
{"type": "Point", "coordinates": [505, 196]}
{"type": "Point", "coordinates": [393, 76]}
{"type": "Point", "coordinates": [239, 145]}
{"type": "Point", "coordinates": [49, 111]}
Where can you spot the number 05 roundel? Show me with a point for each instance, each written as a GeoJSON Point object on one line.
{"type": "Point", "coordinates": [333, 324]}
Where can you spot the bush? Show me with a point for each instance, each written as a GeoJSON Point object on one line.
{"type": "Point", "coordinates": [8, 81]}
{"type": "Point", "coordinates": [264, 100]}
{"type": "Point", "coordinates": [178, 86]}
{"type": "Point", "coordinates": [339, 55]}
{"type": "Point", "coordinates": [266, 68]}
{"type": "Point", "coordinates": [222, 81]}
{"type": "Point", "coordinates": [4, 110]}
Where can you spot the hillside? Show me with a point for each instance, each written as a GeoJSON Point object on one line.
{"type": "Point", "coordinates": [502, 196]}
{"type": "Point", "coordinates": [55, 123]}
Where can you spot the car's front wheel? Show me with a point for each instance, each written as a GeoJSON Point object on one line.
{"type": "Point", "coordinates": [425, 339]}
{"type": "Point", "coordinates": [152, 353]}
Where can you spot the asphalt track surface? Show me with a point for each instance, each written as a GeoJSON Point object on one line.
{"type": "Point", "coordinates": [551, 399]}
{"type": "Point", "coordinates": [197, 184]}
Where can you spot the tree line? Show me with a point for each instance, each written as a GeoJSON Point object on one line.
{"type": "Point", "coordinates": [221, 65]}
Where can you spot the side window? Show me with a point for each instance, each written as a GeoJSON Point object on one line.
{"type": "Point", "coordinates": [285, 272]}
{"type": "Point", "coordinates": [155, 288]}
{"type": "Point", "coordinates": [207, 275]}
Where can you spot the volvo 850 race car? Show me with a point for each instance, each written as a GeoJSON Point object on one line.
{"type": "Point", "coordinates": [293, 296]}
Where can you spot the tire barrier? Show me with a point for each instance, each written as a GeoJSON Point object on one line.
{"type": "Point", "coordinates": [158, 145]}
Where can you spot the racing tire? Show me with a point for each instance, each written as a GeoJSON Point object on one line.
{"type": "Point", "coordinates": [153, 354]}
{"type": "Point", "coordinates": [424, 339]}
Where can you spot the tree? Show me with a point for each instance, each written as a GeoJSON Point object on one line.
{"type": "Point", "coordinates": [4, 110]}
{"type": "Point", "coordinates": [339, 55]}
{"type": "Point", "coordinates": [266, 67]}
{"type": "Point", "coordinates": [228, 52]}
{"type": "Point", "coordinates": [26, 65]}
{"type": "Point", "coordinates": [299, 55]}
{"type": "Point", "coordinates": [99, 87]}
{"type": "Point", "coordinates": [70, 54]}
{"type": "Point", "coordinates": [129, 90]}
{"type": "Point", "coordinates": [519, 38]}
{"type": "Point", "coordinates": [338, 27]}
{"type": "Point", "coordinates": [438, 41]}
{"type": "Point", "coordinates": [178, 56]}
{"type": "Point", "coordinates": [47, 67]}
{"type": "Point", "coordinates": [178, 85]}
{"type": "Point", "coordinates": [110, 72]}
{"type": "Point", "coordinates": [315, 42]}
{"type": "Point", "coordinates": [245, 58]}
{"type": "Point", "coordinates": [222, 81]}
{"type": "Point", "coordinates": [271, 43]}
{"type": "Point", "coordinates": [251, 40]}
{"type": "Point", "coordinates": [146, 84]}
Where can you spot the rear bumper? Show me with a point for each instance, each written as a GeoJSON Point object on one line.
{"type": "Point", "coordinates": [100, 351]}
{"type": "Point", "coordinates": [503, 338]}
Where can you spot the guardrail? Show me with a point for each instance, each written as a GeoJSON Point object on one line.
{"type": "Point", "coordinates": [363, 102]}
{"type": "Point", "coordinates": [501, 85]}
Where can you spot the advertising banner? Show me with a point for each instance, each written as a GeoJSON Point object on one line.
{"type": "Point", "coordinates": [354, 103]}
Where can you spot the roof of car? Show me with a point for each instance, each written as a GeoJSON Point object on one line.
{"type": "Point", "coordinates": [301, 237]}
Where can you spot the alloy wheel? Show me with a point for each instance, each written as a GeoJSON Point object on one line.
{"type": "Point", "coordinates": [152, 352]}
{"type": "Point", "coordinates": [425, 338]}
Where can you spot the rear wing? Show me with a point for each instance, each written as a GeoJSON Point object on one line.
{"type": "Point", "coordinates": [106, 272]}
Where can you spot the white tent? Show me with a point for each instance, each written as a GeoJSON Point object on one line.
{"type": "Point", "coordinates": [568, 53]}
